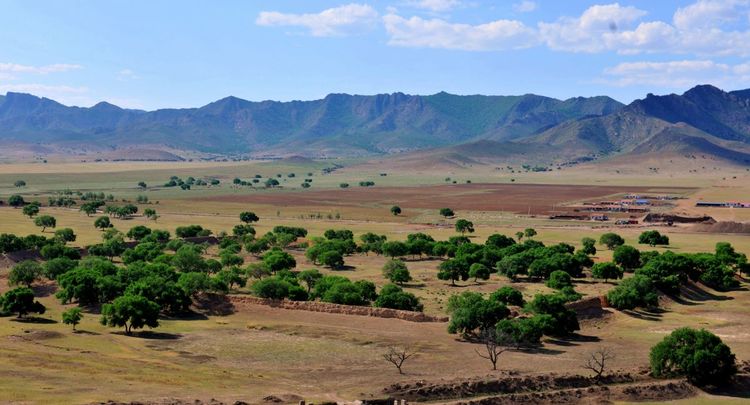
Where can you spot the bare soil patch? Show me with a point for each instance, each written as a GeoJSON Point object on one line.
{"type": "Point", "coordinates": [520, 198]}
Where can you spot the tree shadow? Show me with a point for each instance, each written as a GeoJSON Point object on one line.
{"type": "Point", "coordinates": [151, 335]}
{"type": "Point", "coordinates": [654, 314]}
{"type": "Point", "coordinates": [694, 292]}
{"type": "Point", "coordinates": [739, 388]}
{"type": "Point", "coordinates": [213, 304]}
{"type": "Point", "coordinates": [86, 332]}
{"type": "Point", "coordinates": [412, 285]}
{"type": "Point", "coordinates": [344, 268]}
{"type": "Point", "coordinates": [44, 290]}
{"type": "Point", "coordinates": [34, 319]}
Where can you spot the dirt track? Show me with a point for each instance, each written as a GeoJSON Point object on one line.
{"type": "Point", "coordinates": [520, 198]}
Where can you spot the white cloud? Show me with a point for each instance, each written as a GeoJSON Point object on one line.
{"type": "Point", "coordinates": [10, 68]}
{"type": "Point", "coordinates": [329, 22]}
{"type": "Point", "coordinates": [438, 33]}
{"type": "Point", "coordinates": [434, 5]}
{"type": "Point", "coordinates": [708, 13]}
{"type": "Point", "coordinates": [126, 74]}
{"type": "Point", "coordinates": [676, 74]}
{"type": "Point", "coordinates": [525, 6]}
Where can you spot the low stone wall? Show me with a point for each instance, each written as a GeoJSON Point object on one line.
{"type": "Point", "coordinates": [588, 307]}
{"type": "Point", "coordinates": [316, 306]}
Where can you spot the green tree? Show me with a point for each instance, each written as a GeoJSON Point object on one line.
{"type": "Point", "coordinates": [25, 272]}
{"type": "Point", "coordinates": [131, 312]}
{"type": "Point", "coordinates": [628, 257]}
{"type": "Point", "coordinates": [72, 317]}
{"type": "Point", "coordinates": [479, 271]}
{"type": "Point", "coordinates": [31, 210]}
{"type": "Point", "coordinates": [529, 232]}
{"type": "Point", "coordinates": [19, 183]}
{"type": "Point", "coordinates": [309, 277]}
{"type": "Point", "coordinates": [394, 297]}
{"type": "Point", "coordinates": [142, 185]}
{"type": "Point", "coordinates": [447, 212]}
{"type": "Point", "coordinates": [698, 355]}
{"type": "Point", "coordinates": [332, 258]}
{"type": "Point", "coordinates": [395, 249]}
{"type": "Point", "coordinates": [277, 260]}
{"type": "Point", "coordinates": [589, 246]}
{"type": "Point", "coordinates": [453, 270]}
{"type": "Point", "coordinates": [151, 214]}
{"type": "Point", "coordinates": [559, 279]}
{"type": "Point", "coordinates": [653, 238]}
{"type": "Point", "coordinates": [248, 217]}
{"type": "Point", "coordinates": [16, 201]}
{"type": "Point", "coordinates": [470, 312]}
{"type": "Point", "coordinates": [396, 271]}
{"type": "Point", "coordinates": [606, 271]}
{"type": "Point", "coordinates": [508, 296]}
{"type": "Point", "coordinates": [396, 210]}
{"type": "Point", "coordinates": [519, 235]}
{"type": "Point", "coordinates": [65, 235]}
{"type": "Point", "coordinates": [45, 221]}
{"type": "Point", "coordinates": [21, 301]}
{"type": "Point", "coordinates": [634, 292]}
{"type": "Point", "coordinates": [464, 226]}
{"type": "Point", "coordinates": [611, 240]}
{"type": "Point", "coordinates": [102, 223]}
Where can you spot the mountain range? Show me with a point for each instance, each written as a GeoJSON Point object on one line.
{"type": "Point", "coordinates": [703, 120]}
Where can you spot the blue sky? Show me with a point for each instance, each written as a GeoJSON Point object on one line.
{"type": "Point", "coordinates": [155, 54]}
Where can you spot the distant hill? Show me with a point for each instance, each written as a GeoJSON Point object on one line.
{"type": "Point", "coordinates": [338, 125]}
{"type": "Point", "coordinates": [440, 129]}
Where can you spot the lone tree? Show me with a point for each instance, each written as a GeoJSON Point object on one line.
{"type": "Point", "coordinates": [131, 311]}
{"type": "Point", "coordinates": [396, 210]}
{"type": "Point", "coordinates": [248, 217]}
{"type": "Point", "coordinates": [494, 345]}
{"type": "Point", "coordinates": [396, 271]}
{"type": "Point", "coordinates": [447, 212]}
{"type": "Point", "coordinates": [464, 226]}
{"type": "Point", "coordinates": [21, 301]}
{"type": "Point", "coordinates": [20, 183]}
{"type": "Point", "coordinates": [45, 221]}
{"type": "Point", "coordinates": [653, 238]}
{"type": "Point", "coordinates": [606, 271]}
{"type": "Point", "coordinates": [142, 185]}
{"type": "Point", "coordinates": [31, 210]}
{"type": "Point", "coordinates": [398, 356]}
{"type": "Point", "coordinates": [151, 214]}
{"type": "Point", "coordinates": [72, 316]}
{"type": "Point", "coordinates": [589, 246]}
{"type": "Point", "coordinates": [598, 361]}
{"type": "Point", "coordinates": [102, 223]}
{"type": "Point", "coordinates": [698, 355]}
{"type": "Point", "coordinates": [529, 232]}
{"type": "Point", "coordinates": [519, 235]}
{"type": "Point", "coordinates": [611, 240]}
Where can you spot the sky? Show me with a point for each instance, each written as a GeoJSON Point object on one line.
{"type": "Point", "coordinates": [159, 54]}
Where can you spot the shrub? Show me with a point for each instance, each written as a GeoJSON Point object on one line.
{"type": "Point", "coordinates": [698, 355]}
{"type": "Point", "coordinates": [393, 296]}
{"type": "Point", "coordinates": [633, 292]}
{"type": "Point", "coordinates": [508, 296]}
{"type": "Point", "coordinates": [559, 279]}
{"type": "Point", "coordinates": [606, 271]}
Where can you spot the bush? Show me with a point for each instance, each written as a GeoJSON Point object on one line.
{"type": "Point", "coordinates": [698, 355]}
{"type": "Point", "coordinates": [559, 279]}
{"type": "Point", "coordinates": [278, 288]}
{"type": "Point", "coordinates": [634, 292]}
{"type": "Point", "coordinates": [393, 296]}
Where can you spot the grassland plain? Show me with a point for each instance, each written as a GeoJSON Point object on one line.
{"type": "Point", "coordinates": [257, 351]}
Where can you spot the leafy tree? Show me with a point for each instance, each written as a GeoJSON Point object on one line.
{"type": "Point", "coordinates": [668, 271]}
{"type": "Point", "coordinates": [453, 270]}
{"type": "Point", "coordinates": [142, 185]}
{"type": "Point", "coordinates": [396, 271]}
{"type": "Point", "coordinates": [519, 235]}
{"type": "Point", "coordinates": [277, 260]}
{"type": "Point", "coordinates": [31, 210]}
{"type": "Point", "coordinates": [447, 212]}
{"type": "Point", "coordinates": [189, 231]}
{"type": "Point", "coordinates": [563, 321]}
{"type": "Point", "coordinates": [16, 201]}
{"type": "Point", "coordinates": [396, 210]}
{"type": "Point", "coordinates": [395, 249]}
{"type": "Point", "coordinates": [346, 292]}
{"type": "Point", "coordinates": [471, 312]}
{"type": "Point", "coordinates": [653, 238]}
{"type": "Point", "coordinates": [25, 272]}
{"type": "Point", "coordinates": [479, 271]}
{"type": "Point", "coordinates": [45, 221]}
{"type": "Point", "coordinates": [309, 277]}
{"type": "Point", "coordinates": [634, 292]}
{"type": "Point", "coordinates": [606, 271]}
{"type": "Point", "coordinates": [499, 241]}
{"type": "Point", "coordinates": [464, 226]}
{"type": "Point", "coordinates": [508, 296]}
{"type": "Point", "coordinates": [102, 223]}
{"type": "Point", "coordinates": [248, 217]}
{"type": "Point", "coordinates": [523, 332]}
{"type": "Point", "coordinates": [344, 185]}
{"type": "Point", "coordinates": [72, 316]}
{"type": "Point", "coordinates": [90, 208]}
{"type": "Point", "coordinates": [65, 235]}
{"type": "Point", "coordinates": [698, 355]}
{"type": "Point", "coordinates": [138, 232]}
{"type": "Point", "coordinates": [19, 183]}
{"type": "Point", "coordinates": [53, 268]}
{"type": "Point", "coordinates": [589, 246]}
{"type": "Point", "coordinates": [529, 232]}
{"type": "Point", "coordinates": [393, 296]}
{"type": "Point", "coordinates": [611, 240]}
{"type": "Point", "coordinates": [332, 258]}
{"type": "Point", "coordinates": [21, 301]}
{"type": "Point", "coordinates": [628, 257]}
{"type": "Point", "coordinates": [559, 279]}
{"type": "Point", "coordinates": [188, 259]}
{"type": "Point", "coordinates": [131, 312]}
{"type": "Point", "coordinates": [151, 214]}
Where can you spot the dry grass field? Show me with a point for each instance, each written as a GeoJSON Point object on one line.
{"type": "Point", "coordinates": [255, 351]}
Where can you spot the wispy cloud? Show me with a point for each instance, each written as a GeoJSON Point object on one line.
{"type": "Point", "coordinates": [525, 6]}
{"type": "Point", "coordinates": [11, 68]}
{"type": "Point", "coordinates": [676, 74]}
{"type": "Point", "coordinates": [127, 74]}
{"type": "Point", "coordinates": [329, 22]}
{"type": "Point", "coordinates": [434, 5]}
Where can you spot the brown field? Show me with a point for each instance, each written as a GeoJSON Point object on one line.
{"type": "Point", "coordinates": [518, 198]}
